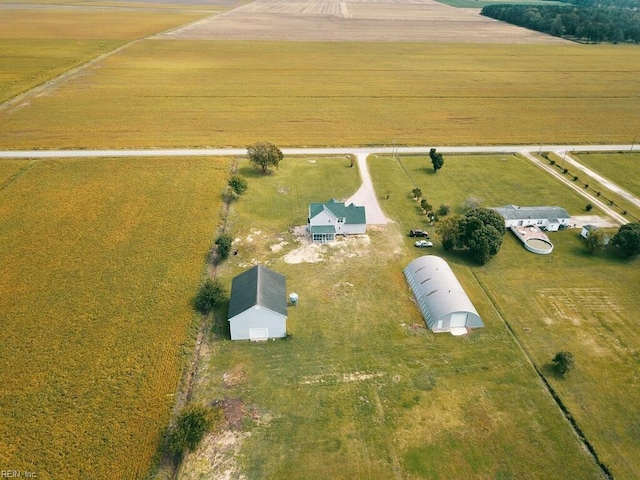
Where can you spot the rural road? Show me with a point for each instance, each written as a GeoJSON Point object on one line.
{"type": "Point", "coordinates": [366, 194]}
{"type": "Point", "coordinates": [199, 152]}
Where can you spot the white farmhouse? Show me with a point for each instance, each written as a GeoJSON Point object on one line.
{"type": "Point", "coordinates": [545, 218]}
{"type": "Point", "coordinates": [326, 220]}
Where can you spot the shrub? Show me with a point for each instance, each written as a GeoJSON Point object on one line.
{"type": "Point", "coordinates": [575, 178]}
{"type": "Point", "coordinates": [224, 242]}
{"type": "Point", "coordinates": [211, 294]}
{"type": "Point", "coordinates": [471, 202]}
{"type": "Point", "coordinates": [238, 184]}
{"type": "Point", "coordinates": [586, 185]}
{"type": "Point", "coordinates": [191, 426]}
{"type": "Point", "coordinates": [563, 362]}
{"type": "Point", "coordinates": [589, 207]}
{"type": "Point", "coordinates": [444, 210]}
{"type": "Point", "coordinates": [566, 170]}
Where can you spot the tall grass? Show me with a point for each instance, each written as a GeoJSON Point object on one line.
{"type": "Point", "coordinates": [100, 259]}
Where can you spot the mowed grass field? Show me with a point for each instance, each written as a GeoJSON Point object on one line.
{"type": "Point", "coordinates": [362, 390]}
{"type": "Point", "coordinates": [100, 260]}
{"type": "Point", "coordinates": [224, 93]}
{"type": "Point", "coordinates": [623, 169]}
{"type": "Point", "coordinates": [568, 300]}
{"type": "Point", "coordinates": [41, 43]}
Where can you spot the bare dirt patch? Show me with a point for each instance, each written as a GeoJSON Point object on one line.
{"type": "Point", "coordinates": [215, 457]}
{"type": "Point", "coordinates": [353, 20]}
{"type": "Point", "coordinates": [347, 246]}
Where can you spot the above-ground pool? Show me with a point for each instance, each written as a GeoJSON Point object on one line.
{"type": "Point", "coordinates": [533, 239]}
{"type": "Point", "coordinates": [538, 245]}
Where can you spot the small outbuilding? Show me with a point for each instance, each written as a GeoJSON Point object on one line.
{"type": "Point", "coordinates": [258, 305]}
{"type": "Point", "coordinates": [587, 229]}
{"type": "Point", "coordinates": [443, 302]}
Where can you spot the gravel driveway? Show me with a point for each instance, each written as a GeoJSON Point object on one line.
{"type": "Point", "coordinates": [366, 195]}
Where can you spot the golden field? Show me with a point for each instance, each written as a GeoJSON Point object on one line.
{"type": "Point", "coordinates": [198, 93]}
{"type": "Point", "coordinates": [39, 44]}
{"type": "Point", "coordinates": [100, 259]}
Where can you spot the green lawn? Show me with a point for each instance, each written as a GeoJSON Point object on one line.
{"type": "Point", "coordinates": [568, 300]}
{"type": "Point", "coordinates": [362, 389]}
{"type": "Point", "coordinates": [623, 169]}
{"type": "Point", "coordinates": [495, 180]}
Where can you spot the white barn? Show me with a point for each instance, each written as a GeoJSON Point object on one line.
{"type": "Point", "coordinates": [545, 218]}
{"type": "Point", "coordinates": [258, 305]}
{"type": "Point", "coordinates": [328, 219]}
{"type": "Point", "coordinates": [443, 302]}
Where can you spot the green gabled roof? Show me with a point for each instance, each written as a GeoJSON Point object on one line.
{"type": "Point", "coordinates": [351, 213]}
{"type": "Point", "coordinates": [258, 286]}
{"type": "Point", "coordinates": [322, 229]}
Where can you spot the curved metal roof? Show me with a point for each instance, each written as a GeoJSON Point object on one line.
{"type": "Point", "coordinates": [438, 291]}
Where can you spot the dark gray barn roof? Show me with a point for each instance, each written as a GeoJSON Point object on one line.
{"type": "Point", "coordinates": [258, 286]}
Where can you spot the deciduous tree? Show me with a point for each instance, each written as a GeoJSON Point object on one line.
{"type": "Point", "coordinates": [437, 160]}
{"type": "Point", "coordinates": [627, 239]}
{"type": "Point", "coordinates": [448, 231]}
{"type": "Point", "coordinates": [595, 240]}
{"type": "Point", "coordinates": [264, 155]}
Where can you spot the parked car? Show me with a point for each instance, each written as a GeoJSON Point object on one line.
{"type": "Point", "coordinates": [423, 244]}
{"type": "Point", "coordinates": [418, 233]}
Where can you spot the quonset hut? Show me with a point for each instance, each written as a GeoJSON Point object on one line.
{"type": "Point", "coordinates": [440, 297]}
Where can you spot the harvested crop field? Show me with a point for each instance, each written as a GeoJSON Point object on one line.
{"type": "Point", "coordinates": [335, 20]}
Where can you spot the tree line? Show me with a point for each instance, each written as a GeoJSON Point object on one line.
{"type": "Point", "coordinates": [586, 20]}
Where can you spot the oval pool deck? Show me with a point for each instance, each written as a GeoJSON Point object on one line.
{"type": "Point", "coordinates": [533, 239]}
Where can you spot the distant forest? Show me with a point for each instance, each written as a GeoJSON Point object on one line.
{"type": "Point", "coordinates": [588, 20]}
